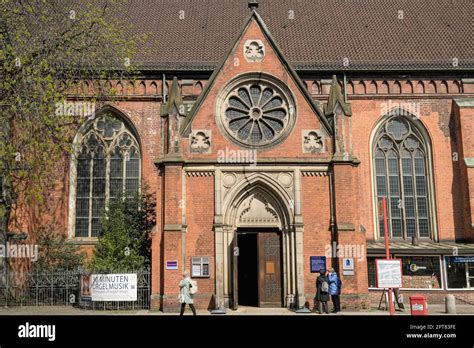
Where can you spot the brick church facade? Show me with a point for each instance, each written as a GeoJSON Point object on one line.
{"type": "Point", "coordinates": [270, 142]}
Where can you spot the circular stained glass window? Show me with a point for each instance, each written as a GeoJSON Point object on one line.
{"type": "Point", "coordinates": [256, 112]}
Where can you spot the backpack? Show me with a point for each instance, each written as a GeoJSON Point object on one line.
{"type": "Point", "coordinates": [193, 287]}
{"type": "Point", "coordinates": [325, 286]}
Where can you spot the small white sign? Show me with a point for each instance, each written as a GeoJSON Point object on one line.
{"type": "Point", "coordinates": [113, 287]}
{"type": "Point", "coordinates": [389, 273]}
{"type": "Point", "coordinates": [196, 271]}
{"type": "Point", "coordinates": [348, 264]}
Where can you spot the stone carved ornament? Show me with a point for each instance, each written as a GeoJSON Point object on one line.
{"type": "Point", "coordinates": [313, 141]}
{"type": "Point", "coordinates": [258, 210]}
{"type": "Point", "coordinates": [200, 141]}
{"type": "Point", "coordinates": [254, 50]}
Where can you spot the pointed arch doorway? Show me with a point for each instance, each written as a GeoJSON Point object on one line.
{"type": "Point", "coordinates": [258, 268]}
{"type": "Point", "coordinates": [261, 270]}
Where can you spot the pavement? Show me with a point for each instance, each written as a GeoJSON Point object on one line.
{"type": "Point", "coordinates": [433, 309]}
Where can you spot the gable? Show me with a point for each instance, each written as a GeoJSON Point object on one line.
{"type": "Point", "coordinates": [255, 62]}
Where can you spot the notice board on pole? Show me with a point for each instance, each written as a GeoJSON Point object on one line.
{"type": "Point", "coordinates": [389, 273]}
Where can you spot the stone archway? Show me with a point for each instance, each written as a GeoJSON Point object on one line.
{"type": "Point", "coordinates": [257, 200]}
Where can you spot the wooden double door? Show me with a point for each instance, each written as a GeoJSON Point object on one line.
{"type": "Point", "coordinates": [257, 268]}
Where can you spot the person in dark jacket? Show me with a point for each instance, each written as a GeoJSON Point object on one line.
{"type": "Point", "coordinates": [335, 290]}
{"type": "Point", "coordinates": [322, 292]}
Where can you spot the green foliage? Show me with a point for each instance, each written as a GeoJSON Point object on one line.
{"type": "Point", "coordinates": [52, 50]}
{"type": "Point", "coordinates": [125, 243]}
{"type": "Point", "coordinates": [56, 253]}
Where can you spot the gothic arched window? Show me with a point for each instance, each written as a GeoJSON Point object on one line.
{"type": "Point", "coordinates": [107, 166]}
{"type": "Point", "coordinates": [401, 164]}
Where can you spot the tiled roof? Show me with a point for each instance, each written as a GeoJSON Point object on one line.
{"type": "Point", "coordinates": [421, 247]}
{"type": "Point", "coordinates": [313, 34]}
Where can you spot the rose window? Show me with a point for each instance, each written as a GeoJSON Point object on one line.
{"type": "Point", "coordinates": [257, 113]}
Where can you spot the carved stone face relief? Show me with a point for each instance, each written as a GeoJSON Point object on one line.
{"type": "Point", "coordinates": [313, 141]}
{"type": "Point", "coordinates": [254, 51]}
{"type": "Point", "coordinates": [200, 141]}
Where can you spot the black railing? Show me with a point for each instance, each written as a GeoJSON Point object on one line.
{"type": "Point", "coordinates": [62, 288]}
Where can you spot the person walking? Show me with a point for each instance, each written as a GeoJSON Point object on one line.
{"type": "Point", "coordinates": [322, 292]}
{"type": "Point", "coordinates": [335, 285]}
{"type": "Point", "coordinates": [185, 295]}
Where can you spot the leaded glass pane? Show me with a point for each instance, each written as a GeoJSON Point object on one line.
{"type": "Point", "coordinates": [394, 186]}
{"type": "Point", "coordinates": [422, 207]}
{"type": "Point", "coordinates": [97, 206]}
{"type": "Point", "coordinates": [394, 207]}
{"type": "Point", "coordinates": [83, 168]}
{"type": "Point", "coordinates": [98, 183]}
{"type": "Point", "coordinates": [392, 164]}
{"type": "Point", "coordinates": [381, 186]}
{"type": "Point", "coordinates": [82, 195]}
{"type": "Point", "coordinates": [421, 185]}
{"type": "Point", "coordinates": [82, 227]}
{"type": "Point", "coordinates": [411, 227]}
{"type": "Point", "coordinates": [95, 227]}
{"type": "Point", "coordinates": [83, 187]}
{"type": "Point", "coordinates": [409, 207]}
{"type": "Point", "coordinates": [131, 186]}
{"type": "Point", "coordinates": [408, 185]}
{"type": "Point", "coordinates": [406, 164]}
{"type": "Point", "coordinates": [82, 207]}
{"type": "Point", "coordinates": [116, 173]}
{"type": "Point", "coordinates": [380, 166]}
{"type": "Point", "coordinates": [116, 164]}
{"type": "Point", "coordinates": [423, 226]}
{"type": "Point", "coordinates": [396, 228]}
{"type": "Point", "coordinates": [133, 168]}
{"type": "Point", "coordinates": [381, 228]}
{"type": "Point", "coordinates": [419, 166]}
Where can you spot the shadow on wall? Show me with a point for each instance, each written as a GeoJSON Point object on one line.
{"type": "Point", "coordinates": [212, 303]}
{"type": "Point", "coordinates": [456, 186]}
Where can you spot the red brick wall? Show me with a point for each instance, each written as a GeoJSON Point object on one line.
{"type": "Point", "coordinates": [436, 117]}
{"type": "Point", "coordinates": [465, 136]}
{"type": "Point", "coordinates": [200, 233]}
{"type": "Point", "coordinates": [316, 219]}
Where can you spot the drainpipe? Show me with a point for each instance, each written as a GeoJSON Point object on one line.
{"type": "Point", "coordinates": [344, 87]}
{"type": "Point", "coordinates": [164, 88]}
{"type": "Point", "coordinates": [163, 200]}
{"type": "Point", "coordinates": [333, 226]}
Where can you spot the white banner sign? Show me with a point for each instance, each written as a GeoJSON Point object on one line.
{"type": "Point", "coordinates": [389, 273]}
{"type": "Point", "coordinates": [113, 287]}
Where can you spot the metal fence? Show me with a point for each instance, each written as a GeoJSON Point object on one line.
{"type": "Point", "coordinates": [143, 296]}
{"type": "Point", "coordinates": [62, 288]}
